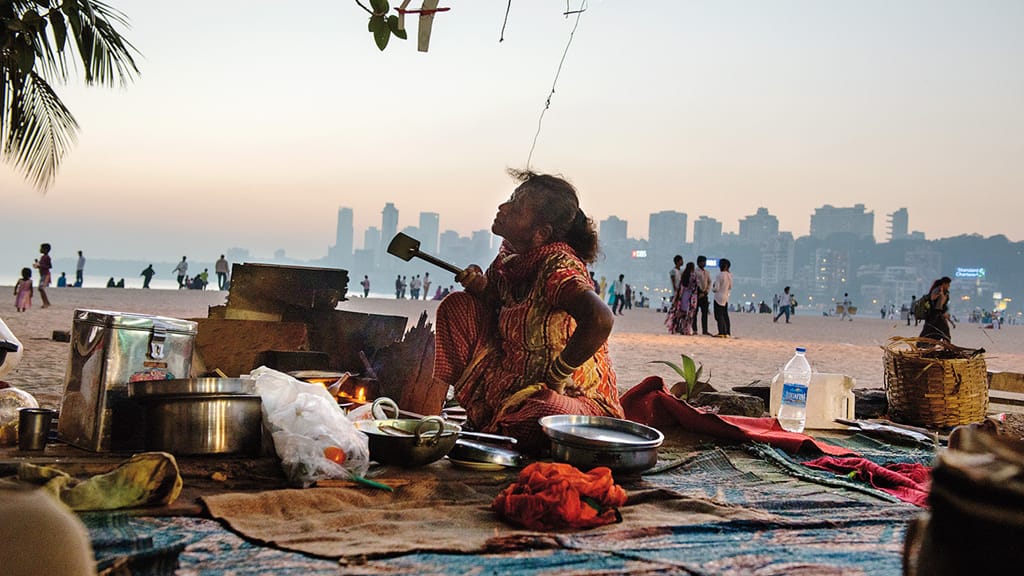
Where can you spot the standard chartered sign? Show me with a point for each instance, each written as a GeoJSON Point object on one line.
{"type": "Point", "coordinates": [970, 272]}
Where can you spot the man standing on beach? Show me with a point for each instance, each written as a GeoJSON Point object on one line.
{"type": "Point", "coordinates": [221, 268]}
{"type": "Point", "coordinates": [365, 283]}
{"type": "Point", "coordinates": [426, 285]}
{"type": "Point", "coordinates": [182, 270]}
{"type": "Point", "coordinates": [722, 289]}
{"type": "Point", "coordinates": [703, 286]}
{"type": "Point", "coordinates": [846, 307]}
{"type": "Point", "coordinates": [619, 295]}
{"type": "Point", "coordinates": [44, 264]}
{"type": "Point", "coordinates": [79, 270]}
{"type": "Point", "coordinates": [676, 273]}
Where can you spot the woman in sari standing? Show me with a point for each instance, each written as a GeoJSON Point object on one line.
{"type": "Point", "coordinates": [528, 337]}
{"type": "Point", "coordinates": [684, 303]}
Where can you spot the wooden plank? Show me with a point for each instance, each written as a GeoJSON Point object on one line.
{"type": "Point", "coordinates": [1006, 381]}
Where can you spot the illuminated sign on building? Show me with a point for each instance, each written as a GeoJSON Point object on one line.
{"type": "Point", "coordinates": [639, 253]}
{"type": "Point", "coordinates": [970, 272]}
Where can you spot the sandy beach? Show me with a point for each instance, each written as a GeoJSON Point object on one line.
{"type": "Point", "coordinates": [757, 352]}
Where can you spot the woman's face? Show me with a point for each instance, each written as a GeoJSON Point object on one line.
{"type": "Point", "coordinates": [514, 220]}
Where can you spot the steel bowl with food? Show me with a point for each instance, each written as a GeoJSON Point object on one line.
{"type": "Point", "coordinates": [407, 442]}
{"type": "Point", "coordinates": [586, 442]}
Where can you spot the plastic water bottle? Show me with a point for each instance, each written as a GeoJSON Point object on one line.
{"type": "Point", "coordinates": [796, 377]}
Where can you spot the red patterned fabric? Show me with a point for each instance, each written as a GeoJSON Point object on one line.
{"type": "Point", "coordinates": [550, 496]}
{"type": "Point", "coordinates": [650, 403]}
{"type": "Point", "coordinates": [907, 481]}
{"type": "Point", "coordinates": [492, 347]}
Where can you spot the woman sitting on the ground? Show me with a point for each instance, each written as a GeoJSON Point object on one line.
{"type": "Point", "coordinates": [528, 338]}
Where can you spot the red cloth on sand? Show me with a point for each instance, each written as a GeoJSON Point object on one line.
{"type": "Point", "coordinates": [908, 482]}
{"type": "Point", "coordinates": [549, 495]}
{"type": "Point", "coordinates": [650, 402]}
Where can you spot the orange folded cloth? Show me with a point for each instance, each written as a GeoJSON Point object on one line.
{"type": "Point", "coordinates": [549, 496]}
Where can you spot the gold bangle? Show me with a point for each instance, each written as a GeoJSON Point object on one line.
{"type": "Point", "coordinates": [561, 368]}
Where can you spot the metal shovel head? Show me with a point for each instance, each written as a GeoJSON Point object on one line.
{"type": "Point", "coordinates": [403, 246]}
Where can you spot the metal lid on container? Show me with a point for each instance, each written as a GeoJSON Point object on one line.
{"type": "Point", "coordinates": [133, 321]}
{"type": "Point", "coordinates": [600, 432]}
{"type": "Point", "coordinates": [191, 387]}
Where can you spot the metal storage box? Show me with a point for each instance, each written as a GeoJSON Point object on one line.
{"type": "Point", "coordinates": [109, 350]}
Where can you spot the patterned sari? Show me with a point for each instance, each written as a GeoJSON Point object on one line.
{"type": "Point", "coordinates": [496, 349]}
{"type": "Point", "coordinates": [684, 307]}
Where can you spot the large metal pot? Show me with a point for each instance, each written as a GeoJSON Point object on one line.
{"type": "Point", "coordinates": [199, 416]}
{"type": "Point", "coordinates": [587, 442]}
{"type": "Point", "coordinates": [409, 443]}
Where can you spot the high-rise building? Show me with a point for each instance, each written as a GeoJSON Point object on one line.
{"type": "Point", "coordinates": [667, 232]}
{"type": "Point", "coordinates": [429, 230]}
{"type": "Point", "coordinates": [829, 220]}
{"type": "Point", "coordinates": [388, 229]}
{"type": "Point", "coordinates": [341, 253]}
{"type": "Point", "coordinates": [612, 229]}
{"type": "Point", "coordinates": [777, 260]}
{"type": "Point", "coordinates": [758, 228]}
{"type": "Point", "coordinates": [371, 243]}
{"type": "Point", "coordinates": [898, 225]}
{"type": "Point", "coordinates": [706, 232]}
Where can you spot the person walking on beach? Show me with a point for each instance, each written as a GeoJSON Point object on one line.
{"type": "Point", "coordinates": [79, 270]}
{"type": "Point", "coordinates": [910, 311]}
{"type": "Point", "coordinates": [221, 268]}
{"type": "Point", "coordinates": [365, 283]}
{"type": "Point", "coordinates": [619, 295]}
{"type": "Point", "coordinates": [182, 270]}
{"type": "Point", "coordinates": [936, 323]}
{"type": "Point", "coordinates": [426, 285]}
{"type": "Point", "coordinates": [44, 264]}
{"type": "Point", "coordinates": [23, 291]}
{"type": "Point", "coordinates": [147, 275]}
{"type": "Point", "coordinates": [703, 279]}
{"type": "Point", "coordinates": [722, 287]}
{"type": "Point", "coordinates": [784, 306]}
{"type": "Point", "coordinates": [846, 308]}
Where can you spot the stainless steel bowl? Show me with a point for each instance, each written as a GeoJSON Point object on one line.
{"type": "Point", "coordinates": [198, 416]}
{"type": "Point", "coordinates": [587, 442]}
{"type": "Point", "coordinates": [407, 442]}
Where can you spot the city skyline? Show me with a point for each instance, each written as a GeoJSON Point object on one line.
{"type": "Point", "coordinates": [250, 131]}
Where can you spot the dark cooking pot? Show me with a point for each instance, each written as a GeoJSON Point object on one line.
{"type": "Point", "coordinates": [406, 442]}
{"type": "Point", "coordinates": [196, 416]}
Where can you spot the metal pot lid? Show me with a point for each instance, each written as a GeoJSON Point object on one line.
{"type": "Point", "coordinates": [600, 432]}
{"type": "Point", "coordinates": [191, 387]}
{"type": "Point", "coordinates": [406, 427]}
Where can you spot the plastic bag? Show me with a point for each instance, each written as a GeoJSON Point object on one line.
{"type": "Point", "coordinates": [309, 429]}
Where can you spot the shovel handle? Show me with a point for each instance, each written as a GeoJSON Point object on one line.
{"type": "Point", "coordinates": [438, 262]}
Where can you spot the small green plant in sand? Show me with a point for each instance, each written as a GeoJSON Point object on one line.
{"type": "Point", "coordinates": [690, 371]}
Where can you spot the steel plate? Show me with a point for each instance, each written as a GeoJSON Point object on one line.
{"type": "Point", "coordinates": [602, 432]}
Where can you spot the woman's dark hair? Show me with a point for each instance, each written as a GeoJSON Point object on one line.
{"type": "Point", "coordinates": [724, 265]}
{"type": "Point", "coordinates": [940, 282]}
{"type": "Point", "coordinates": [561, 210]}
{"type": "Point", "coordinates": [687, 272]}
{"type": "Point", "coordinates": [26, 273]}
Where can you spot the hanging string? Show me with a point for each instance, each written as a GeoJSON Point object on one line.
{"type": "Point", "coordinates": [547, 103]}
{"type": "Point", "coordinates": [505, 22]}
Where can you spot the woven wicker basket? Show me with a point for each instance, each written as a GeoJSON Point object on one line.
{"type": "Point", "coordinates": [933, 383]}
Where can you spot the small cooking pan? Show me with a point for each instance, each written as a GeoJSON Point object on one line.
{"type": "Point", "coordinates": [409, 443]}
{"type": "Point", "coordinates": [380, 407]}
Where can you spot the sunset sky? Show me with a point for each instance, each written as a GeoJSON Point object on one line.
{"type": "Point", "coordinates": [252, 121]}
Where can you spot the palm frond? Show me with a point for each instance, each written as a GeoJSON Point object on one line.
{"type": "Point", "coordinates": [39, 130]}
{"type": "Point", "coordinates": [106, 56]}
